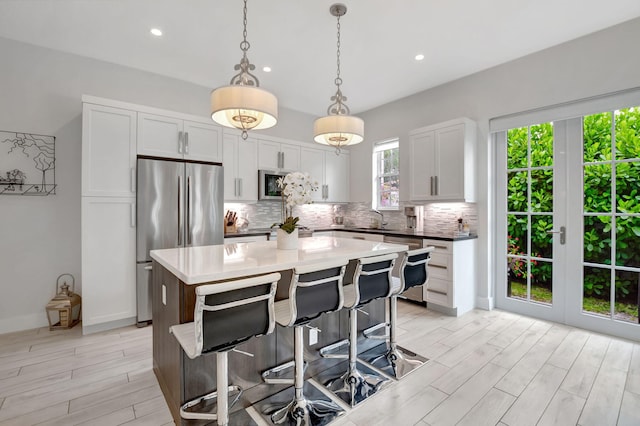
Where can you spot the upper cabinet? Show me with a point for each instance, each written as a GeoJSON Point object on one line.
{"type": "Point", "coordinates": [273, 155]}
{"type": "Point", "coordinates": [330, 170]}
{"type": "Point", "coordinates": [443, 162]}
{"type": "Point", "coordinates": [172, 137]}
{"type": "Point", "coordinates": [240, 168]}
{"type": "Point", "coordinates": [108, 151]}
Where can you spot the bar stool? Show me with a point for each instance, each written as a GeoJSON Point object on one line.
{"type": "Point", "coordinates": [313, 291]}
{"type": "Point", "coordinates": [226, 314]}
{"type": "Point", "coordinates": [371, 280]}
{"type": "Point", "coordinates": [396, 360]}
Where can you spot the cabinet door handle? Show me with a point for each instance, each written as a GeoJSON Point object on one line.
{"type": "Point", "coordinates": [431, 189]}
{"type": "Point", "coordinates": [282, 161]}
{"type": "Point", "coordinates": [180, 142]}
{"type": "Point", "coordinates": [326, 194]}
{"type": "Point", "coordinates": [436, 185]}
{"type": "Point", "coordinates": [186, 142]}
{"type": "Point", "coordinates": [240, 187]}
{"type": "Point", "coordinates": [433, 265]}
{"type": "Point", "coordinates": [133, 180]}
{"type": "Point", "coordinates": [148, 268]}
{"type": "Point", "coordinates": [133, 215]}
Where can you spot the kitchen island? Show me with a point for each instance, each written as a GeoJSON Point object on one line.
{"type": "Point", "coordinates": [176, 273]}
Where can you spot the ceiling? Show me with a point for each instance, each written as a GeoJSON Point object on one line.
{"type": "Point", "coordinates": [297, 39]}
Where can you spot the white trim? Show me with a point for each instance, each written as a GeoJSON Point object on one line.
{"type": "Point", "coordinates": [23, 322]}
{"type": "Point", "coordinates": [486, 303]}
{"type": "Point", "coordinates": [567, 110]}
{"type": "Point", "coordinates": [95, 328]}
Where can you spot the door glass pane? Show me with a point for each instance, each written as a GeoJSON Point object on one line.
{"type": "Point", "coordinates": [597, 294]}
{"type": "Point", "coordinates": [542, 145]}
{"type": "Point", "coordinates": [541, 240]}
{"type": "Point", "coordinates": [517, 277]}
{"type": "Point", "coordinates": [541, 281]}
{"type": "Point", "coordinates": [542, 190]}
{"type": "Point", "coordinates": [517, 144]}
{"type": "Point", "coordinates": [597, 188]}
{"type": "Point", "coordinates": [517, 192]}
{"type": "Point", "coordinates": [627, 302]}
{"type": "Point", "coordinates": [517, 234]}
{"type": "Point", "coordinates": [628, 187]}
{"type": "Point", "coordinates": [597, 239]}
{"type": "Point", "coordinates": [597, 137]}
{"type": "Point", "coordinates": [628, 133]}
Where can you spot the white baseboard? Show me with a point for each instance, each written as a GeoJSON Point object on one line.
{"type": "Point", "coordinates": [23, 322]}
{"type": "Point", "coordinates": [110, 325]}
{"type": "Point", "coordinates": [486, 303]}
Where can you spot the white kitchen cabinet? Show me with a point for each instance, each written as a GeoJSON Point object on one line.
{"type": "Point", "coordinates": [174, 137]}
{"type": "Point", "coordinates": [330, 170]}
{"type": "Point", "coordinates": [108, 261]}
{"type": "Point", "coordinates": [452, 283]}
{"type": "Point", "coordinates": [245, 239]}
{"type": "Point", "coordinates": [359, 236]}
{"type": "Point", "coordinates": [274, 155]}
{"type": "Point", "coordinates": [442, 159]}
{"type": "Point", "coordinates": [108, 151]}
{"type": "Point", "coordinates": [240, 162]}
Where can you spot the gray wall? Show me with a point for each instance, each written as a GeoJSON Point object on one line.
{"type": "Point", "coordinates": [600, 63]}
{"type": "Point", "coordinates": [40, 91]}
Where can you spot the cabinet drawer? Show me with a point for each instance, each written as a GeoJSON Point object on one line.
{"type": "Point", "coordinates": [440, 266]}
{"type": "Point", "coordinates": [443, 247]}
{"type": "Point", "coordinates": [440, 286]}
{"type": "Point", "coordinates": [439, 299]}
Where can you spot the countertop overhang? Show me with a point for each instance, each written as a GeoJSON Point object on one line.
{"type": "Point", "coordinates": [197, 265]}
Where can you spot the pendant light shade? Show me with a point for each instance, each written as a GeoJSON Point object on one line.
{"type": "Point", "coordinates": [242, 104]}
{"type": "Point", "coordinates": [244, 107]}
{"type": "Point", "coordinates": [338, 128]}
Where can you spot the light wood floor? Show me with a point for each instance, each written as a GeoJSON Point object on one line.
{"type": "Point", "coordinates": [486, 368]}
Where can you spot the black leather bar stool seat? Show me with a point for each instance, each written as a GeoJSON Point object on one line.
{"type": "Point", "coordinates": [313, 291]}
{"type": "Point", "coordinates": [396, 360]}
{"type": "Point", "coordinates": [226, 314]}
{"type": "Point", "coordinates": [371, 280]}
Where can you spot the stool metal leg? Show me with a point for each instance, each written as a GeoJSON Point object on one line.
{"type": "Point", "coordinates": [303, 410]}
{"type": "Point", "coordinates": [396, 360]}
{"type": "Point", "coordinates": [359, 382]}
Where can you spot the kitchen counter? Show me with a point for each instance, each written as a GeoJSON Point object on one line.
{"type": "Point", "coordinates": [197, 265]}
{"type": "Point", "coordinates": [442, 236]}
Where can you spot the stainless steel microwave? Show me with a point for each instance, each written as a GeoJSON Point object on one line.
{"type": "Point", "coordinates": [267, 184]}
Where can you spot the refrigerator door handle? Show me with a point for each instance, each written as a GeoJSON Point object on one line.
{"type": "Point", "coordinates": [188, 212]}
{"type": "Point", "coordinates": [179, 211]}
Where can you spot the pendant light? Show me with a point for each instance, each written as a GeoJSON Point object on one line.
{"type": "Point", "coordinates": [242, 104]}
{"type": "Point", "coordinates": [338, 128]}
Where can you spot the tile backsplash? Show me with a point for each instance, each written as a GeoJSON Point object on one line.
{"type": "Point", "coordinates": [438, 217]}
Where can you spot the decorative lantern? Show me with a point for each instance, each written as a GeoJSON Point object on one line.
{"type": "Point", "coordinates": [66, 303]}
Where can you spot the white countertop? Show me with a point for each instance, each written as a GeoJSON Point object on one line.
{"type": "Point", "coordinates": [196, 265]}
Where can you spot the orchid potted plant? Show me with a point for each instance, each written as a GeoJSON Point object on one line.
{"type": "Point", "coordinates": [296, 190]}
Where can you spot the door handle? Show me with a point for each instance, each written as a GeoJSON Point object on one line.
{"type": "Point", "coordinates": [562, 232]}
{"type": "Point", "coordinates": [436, 186]}
{"type": "Point", "coordinates": [148, 268]}
{"type": "Point", "coordinates": [326, 196]}
{"type": "Point", "coordinates": [179, 211]}
{"type": "Point", "coordinates": [186, 142]}
{"type": "Point", "coordinates": [180, 142]}
{"type": "Point", "coordinates": [431, 193]}
{"type": "Point", "coordinates": [188, 212]}
{"type": "Point", "coordinates": [240, 187]}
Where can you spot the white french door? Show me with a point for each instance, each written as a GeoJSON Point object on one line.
{"type": "Point", "coordinates": [568, 221]}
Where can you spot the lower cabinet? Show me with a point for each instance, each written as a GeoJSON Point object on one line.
{"type": "Point", "coordinates": [452, 276]}
{"type": "Point", "coordinates": [359, 236]}
{"type": "Point", "coordinates": [108, 262]}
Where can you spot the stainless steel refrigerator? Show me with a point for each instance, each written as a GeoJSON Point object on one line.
{"type": "Point", "coordinates": [179, 204]}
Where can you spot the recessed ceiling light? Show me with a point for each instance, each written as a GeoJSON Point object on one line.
{"type": "Point", "coordinates": [266, 69]}
{"type": "Point", "coordinates": [156, 32]}
{"type": "Point", "coordinates": [419, 57]}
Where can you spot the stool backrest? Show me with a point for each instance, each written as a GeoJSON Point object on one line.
{"type": "Point", "coordinates": [372, 278]}
{"type": "Point", "coordinates": [414, 268]}
{"type": "Point", "coordinates": [316, 289]}
{"type": "Point", "coordinates": [232, 312]}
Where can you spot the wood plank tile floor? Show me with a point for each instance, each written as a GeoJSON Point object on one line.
{"type": "Point", "coordinates": [485, 368]}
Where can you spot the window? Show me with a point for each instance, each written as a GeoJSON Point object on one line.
{"type": "Point", "coordinates": [386, 175]}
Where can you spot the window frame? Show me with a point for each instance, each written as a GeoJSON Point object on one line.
{"type": "Point", "coordinates": [379, 147]}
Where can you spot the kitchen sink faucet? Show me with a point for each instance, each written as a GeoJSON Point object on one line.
{"type": "Point", "coordinates": [382, 222]}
